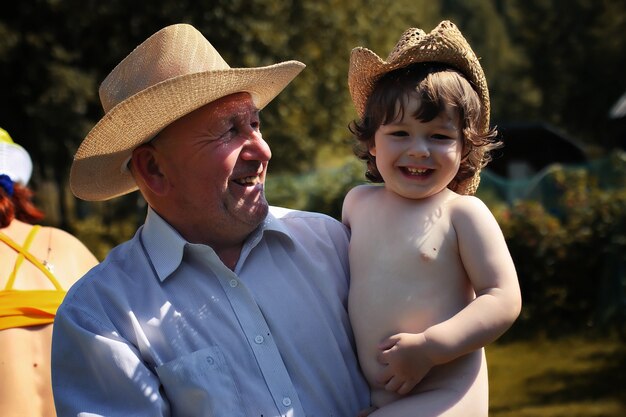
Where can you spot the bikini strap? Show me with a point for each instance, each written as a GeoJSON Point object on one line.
{"type": "Point", "coordinates": [23, 253]}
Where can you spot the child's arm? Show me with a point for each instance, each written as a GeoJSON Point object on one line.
{"type": "Point", "coordinates": [489, 267]}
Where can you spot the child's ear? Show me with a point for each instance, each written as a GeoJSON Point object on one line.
{"type": "Point", "coordinates": [372, 150]}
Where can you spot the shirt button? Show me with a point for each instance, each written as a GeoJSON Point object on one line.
{"type": "Point", "coordinates": [259, 339]}
{"type": "Point", "coordinates": [286, 401]}
{"type": "Point", "coordinates": [210, 360]}
{"type": "Point", "coordinates": [233, 283]}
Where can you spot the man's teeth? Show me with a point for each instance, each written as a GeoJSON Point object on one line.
{"type": "Point", "coordinates": [248, 180]}
{"type": "Point", "coordinates": [417, 171]}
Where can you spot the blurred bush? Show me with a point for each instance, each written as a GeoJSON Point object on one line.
{"type": "Point", "coordinates": [571, 257]}
{"type": "Point", "coordinates": [100, 237]}
{"type": "Point", "coordinates": [321, 191]}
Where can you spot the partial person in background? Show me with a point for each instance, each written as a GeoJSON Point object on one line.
{"type": "Point", "coordinates": [37, 266]}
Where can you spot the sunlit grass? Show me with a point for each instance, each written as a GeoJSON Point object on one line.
{"type": "Point", "coordinates": [573, 377]}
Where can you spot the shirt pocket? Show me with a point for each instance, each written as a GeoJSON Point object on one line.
{"type": "Point", "coordinates": [201, 384]}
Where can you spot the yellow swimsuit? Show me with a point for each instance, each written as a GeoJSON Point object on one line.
{"type": "Point", "coordinates": [23, 308]}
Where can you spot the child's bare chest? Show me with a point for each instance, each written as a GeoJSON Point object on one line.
{"type": "Point", "coordinates": [407, 236]}
{"type": "Point", "coordinates": [405, 267]}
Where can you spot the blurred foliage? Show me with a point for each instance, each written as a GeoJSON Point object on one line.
{"type": "Point", "coordinates": [572, 264]}
{"type": "Point", "coordinates": [321, 191]}
{"type": "Point", "coordinates": [536, 54]}
{"type": "Point", "coordinates": [101, 237]}
{"type": "Point", "coordinates": [572, 50]}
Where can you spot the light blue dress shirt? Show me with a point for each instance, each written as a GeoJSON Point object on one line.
{"type": "Point", "coordinates": [162, 328]}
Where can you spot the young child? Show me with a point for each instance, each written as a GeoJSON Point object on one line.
{"type": "Point", "coordinates": [432, 278]}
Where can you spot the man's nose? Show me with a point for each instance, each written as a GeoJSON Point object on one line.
{"type": "Point", "coordinates": [256, 148]}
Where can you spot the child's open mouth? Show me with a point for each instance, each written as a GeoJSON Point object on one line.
{"type": "Point", "coordinates": [420, 172]}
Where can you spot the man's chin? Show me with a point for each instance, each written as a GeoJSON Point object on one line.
{"type": "Point", "coordinates": [255, 214]}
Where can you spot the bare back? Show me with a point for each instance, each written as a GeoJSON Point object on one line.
{"type": "Point", "coordinates": [407, 275]}
{"type": "Point", "coordinates": [25, 351]}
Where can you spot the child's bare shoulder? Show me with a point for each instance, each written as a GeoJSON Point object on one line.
{"type": "Point", "coordinates": [363, 189]}
{"type": "Point", "coordinates": [471, 213]}
{"type": "Point", "coordinates": [361, 192]}
{"type": "Point", "coordinates": [354, 200]}
{"type": "Point", "coordinates": [467, 205]}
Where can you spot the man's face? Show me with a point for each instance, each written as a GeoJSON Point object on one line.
{"type": "Point", "coordinates": [215, 161]}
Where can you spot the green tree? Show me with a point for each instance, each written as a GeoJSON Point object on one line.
{"type": "Point", "coordinates": [575, 50]}
{"type": "Point", "coordinates": [512, 90]}
{"type": "Point", "coordinates": [544, 60]}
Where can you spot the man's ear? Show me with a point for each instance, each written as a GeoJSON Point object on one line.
{"type": "Point", "coordinates": [146, 170]}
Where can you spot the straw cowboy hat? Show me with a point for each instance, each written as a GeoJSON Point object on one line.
{"type": "Point", "coordinates": [444, 44]}
{"type": "Point", "coordinates": [14, 160]}
{"type": "Point", "coordinates": [172, 73]}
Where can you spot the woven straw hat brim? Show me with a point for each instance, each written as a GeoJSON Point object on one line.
{"type": "Point", "coordinates": [99, 170]}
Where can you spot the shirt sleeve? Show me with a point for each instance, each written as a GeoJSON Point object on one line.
{"type": "Point", "coordinates": [83, 386]}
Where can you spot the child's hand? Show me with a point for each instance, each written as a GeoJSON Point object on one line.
{"type": "Point", "coordinates": [405, 362]}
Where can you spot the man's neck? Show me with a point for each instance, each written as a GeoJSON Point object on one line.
{"type": "Point", "coordinates": [229, 256]}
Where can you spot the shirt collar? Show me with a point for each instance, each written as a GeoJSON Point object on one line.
{"type": "Point", "coordinates": [165, 246]}
{"type": "Point", "coordinates": [273, 223]}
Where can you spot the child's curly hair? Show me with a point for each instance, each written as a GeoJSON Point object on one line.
{"type": "Point", "coordinates": [438, 87]}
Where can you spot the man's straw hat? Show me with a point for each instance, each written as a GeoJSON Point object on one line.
{"type": "Point", "coordinates": [445, 44]}
{"type": "Point", "coordinates": [14, 160]}
{"type": "Point", "coordinates": [172, 73]}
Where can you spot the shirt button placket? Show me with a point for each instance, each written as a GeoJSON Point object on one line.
{"type": "Point", "coordinates": [265, 350]}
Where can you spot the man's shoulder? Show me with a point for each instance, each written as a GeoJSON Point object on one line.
{"type": "Point", "coordinates": [312, 235]}
{"type": "Point", "coordinates": [115, 267]}
{"type": "Point", "coordinates": [300, 220]}
{"type": "Point", "coordinates": [286, 213]}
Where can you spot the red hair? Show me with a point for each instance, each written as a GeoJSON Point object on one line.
{"type": "Point", "coordinates": [18, 206]}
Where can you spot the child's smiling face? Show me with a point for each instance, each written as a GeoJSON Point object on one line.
{"type": "Point", "coordinates": [418, 159]}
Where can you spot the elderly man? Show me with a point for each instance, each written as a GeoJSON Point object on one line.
{"type": "Point", "coordinates": [220, 305]}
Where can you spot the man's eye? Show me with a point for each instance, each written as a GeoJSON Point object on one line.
{"type": "Point", "coordinates": [255, 125]}
{"type": "Point", "coordinates": [228, 133]}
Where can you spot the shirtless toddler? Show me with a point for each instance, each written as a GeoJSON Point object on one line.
{"type": "Point", "coordinates": [432, 278]}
